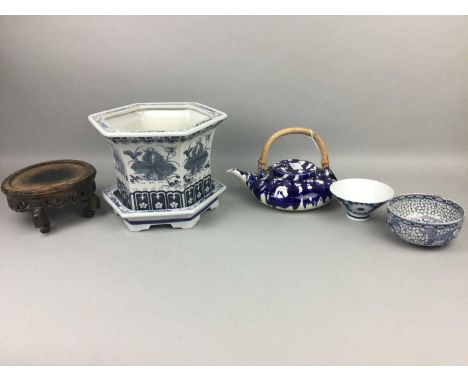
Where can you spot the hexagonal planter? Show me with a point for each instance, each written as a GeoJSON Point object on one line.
{"type": "Point", "coordinates": [161, 153]}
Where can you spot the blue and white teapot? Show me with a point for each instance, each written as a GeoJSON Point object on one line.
{"type": "Point", "coordinates": [291, 184]}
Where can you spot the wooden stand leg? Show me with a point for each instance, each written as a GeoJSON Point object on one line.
{"type": "Point", "coordinates": [92, 204]}
{"type": "Point", "coordinates": [40, 220]}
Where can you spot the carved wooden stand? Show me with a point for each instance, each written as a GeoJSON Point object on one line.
{"type": "Point", "coordinates": [54, 184]}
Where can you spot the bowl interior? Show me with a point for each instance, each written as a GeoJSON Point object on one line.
{"type": "Point", "coordinates": [152, 119]}
{"type": "Point", "coordinates": [366, 191]}
{"type": "Point", "coordinates": [426, 209]}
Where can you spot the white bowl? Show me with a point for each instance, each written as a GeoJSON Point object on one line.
{"type": "Point", "coordinates": [361, 196]}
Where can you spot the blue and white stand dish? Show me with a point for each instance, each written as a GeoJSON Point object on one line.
{"type": "Point", "coordinates": [292, 184]}
{"type": "Point", "coordinates": [184, 218]}
{"type": "Point", "coordinates": [361, 196]}
{"type": "Point", "coordinates": [161, 153]}
{"type": "Point", "coordinates": [424, 219]}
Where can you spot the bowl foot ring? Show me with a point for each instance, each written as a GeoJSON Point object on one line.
{"type": "Point", "coordinates": [357, 218]}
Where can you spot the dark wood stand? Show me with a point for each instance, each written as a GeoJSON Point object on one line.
{"type": "Point", "coordinates": [54, 184]}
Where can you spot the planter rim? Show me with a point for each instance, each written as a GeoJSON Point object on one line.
{"type": "Point", "coordinates": [98, 120]}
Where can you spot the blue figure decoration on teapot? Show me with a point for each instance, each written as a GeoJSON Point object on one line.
{"type": "Point", "coordinates": [291, 184]}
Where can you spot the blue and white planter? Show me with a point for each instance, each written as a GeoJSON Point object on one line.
{"type": "Point", "coordinates": [424, 219]}
{"type": "Point", "coordinates": [161, 153]}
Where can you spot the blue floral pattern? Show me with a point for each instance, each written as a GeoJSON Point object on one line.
{"type": "Point", "coordinates": [196, 157]}
{"type": "Point", "coordinates": [426, 220]}
{"type": "Point", "coordinates": [359, 211]}
{"type": "Point", "coordinates": [152, 165]}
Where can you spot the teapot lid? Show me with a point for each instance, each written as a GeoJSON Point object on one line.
{"type": "Point", "coordinates": [294, 169]}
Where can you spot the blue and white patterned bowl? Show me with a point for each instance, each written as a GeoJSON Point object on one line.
{"type": "Point", "coordinates": [361, 196]}
{"type": "Point", "coordinates": [424, 219]}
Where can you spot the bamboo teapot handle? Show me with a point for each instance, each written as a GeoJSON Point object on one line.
{"type": "Point", "coordinates": [262, 162]}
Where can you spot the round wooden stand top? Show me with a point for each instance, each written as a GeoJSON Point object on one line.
{"type": "Point", "coordinates": [54, 184]}
{"type": "Point", "coordinates": [48, 177]}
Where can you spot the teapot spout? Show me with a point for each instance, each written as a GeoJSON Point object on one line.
{"type": "Point", "coordinates": [246, 177]}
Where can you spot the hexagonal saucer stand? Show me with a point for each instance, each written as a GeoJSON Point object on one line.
{"type": "Point", "coordinates": [184, 218]}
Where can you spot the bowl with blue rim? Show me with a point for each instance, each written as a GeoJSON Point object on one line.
{"type": "Point", "coordinates": [361, 196]}
{"type": "Point", "coordinates": [424, 219]}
